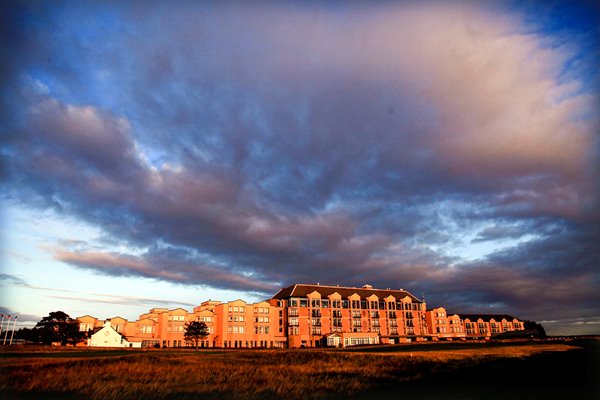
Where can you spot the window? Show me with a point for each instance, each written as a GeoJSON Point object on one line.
{"type": "Point", "coordinates": [325, 303]}
{"type": "Point", "coordinates": [83, 327]}
{"type": "Point", "coordinates": [241, 329]}
{"type": "Point", "coordinates": [303, 302]}
{"type": "Point", "coordinates": [293, 302]}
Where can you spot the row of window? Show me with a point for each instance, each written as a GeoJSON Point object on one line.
{"type": "Point", "coordinates": [293, 312]}
{"type": "Point", "coordinates": [357, 304]}
{"type": "Point", "coordinates": [242, 329]}
{"type": "Point", "coordinates": [241, 318]}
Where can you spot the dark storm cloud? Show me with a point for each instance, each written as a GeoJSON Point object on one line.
{"type": "Point", "coordinates": [250, 147]}
{"type": "Point", "coordinates": [21, 318]}
{"type": "Point", "coordinates": [7, 279]}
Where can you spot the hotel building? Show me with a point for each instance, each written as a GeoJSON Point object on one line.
{"type": "Point", "coordinates": [307, 316]}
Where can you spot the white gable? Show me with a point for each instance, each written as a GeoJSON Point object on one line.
{"type": "Point", "coordinates": [107, 337]}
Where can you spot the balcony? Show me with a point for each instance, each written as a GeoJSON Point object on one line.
{"type": "Point", "coordinates": [315, 313]}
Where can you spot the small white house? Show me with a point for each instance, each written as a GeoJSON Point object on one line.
{"type": "Point", "coordinates": [109, 337]}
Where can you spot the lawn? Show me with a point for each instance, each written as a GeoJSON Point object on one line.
{"type": "Point", "coordinates": [452, 370]}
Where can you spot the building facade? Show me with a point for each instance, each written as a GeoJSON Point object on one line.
{"type": "Point", "coordinates": [308, 316]}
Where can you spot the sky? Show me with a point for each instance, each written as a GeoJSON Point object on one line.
{"type": "Point", "coordinates": [160, 154]}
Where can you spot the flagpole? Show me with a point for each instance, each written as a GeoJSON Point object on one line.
{"type": "Point", "coordinates": [13, 331]}
{"type": "Point", "coordinates": [6, 331]}
{"type": "Point", "coordinates": [2, 325]}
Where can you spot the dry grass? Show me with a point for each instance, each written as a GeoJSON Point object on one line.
{"type": "Point", "coordinates": [290, 374]}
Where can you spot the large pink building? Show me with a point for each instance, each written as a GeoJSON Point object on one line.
{"type": "Point", "coordinates": [309, 316]}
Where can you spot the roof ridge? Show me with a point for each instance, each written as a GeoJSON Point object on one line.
{"type": "Point", "coordinates": [349, 287]}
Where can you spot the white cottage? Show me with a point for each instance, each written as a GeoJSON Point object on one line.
{"type": "Point", "coordinates": [109, 337]}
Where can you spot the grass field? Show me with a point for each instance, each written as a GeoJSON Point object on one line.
{"type": "Point", "coordinates": [449, 370]}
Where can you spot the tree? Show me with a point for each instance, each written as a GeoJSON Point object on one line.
{"type": "Point", "coordinates": [59, 327]}
{"type": "Point", "coordinates": [195, 331]}
{"type": "Point", "coordinates": [536, 329]}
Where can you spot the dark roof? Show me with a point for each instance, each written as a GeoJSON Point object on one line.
{"type": "Point", "coordinates": [486, 317]}
{"type": "Point", "coordinates": [527, 333]}
{"type": "Point", "coordinates": [301, 290]}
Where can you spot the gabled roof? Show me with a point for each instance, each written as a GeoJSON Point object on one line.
{"type": "Point", "coordinates": [108, 327]}
{"type": "Point", "coordinates": [86, 315]}
{"type": "Point", "coordinates": [117, 317]}
{"type": "Point", "coordinates": [486, 317]}
{"type": "Point", "coordinates": [302, 290]}
{"type": "Point", "coordinates": [178, 308]}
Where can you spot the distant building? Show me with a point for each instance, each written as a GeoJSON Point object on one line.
{"type": "Point", "coordinates": [304, 315]}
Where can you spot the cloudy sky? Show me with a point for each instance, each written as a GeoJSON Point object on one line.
{"type": "Point", "coordinates": [160, 154]}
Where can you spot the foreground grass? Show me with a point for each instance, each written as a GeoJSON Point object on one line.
{"type": "Point", "coordinates": [268, 374]}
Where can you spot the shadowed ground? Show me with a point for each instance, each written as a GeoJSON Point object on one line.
{"type": "Point", "coordinates": [536, 370]}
